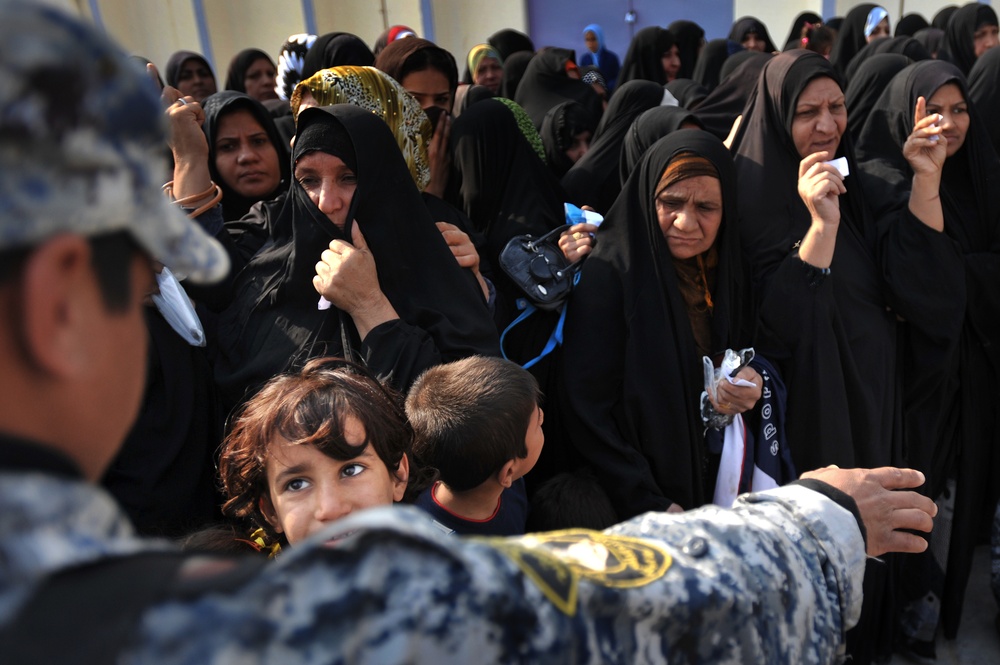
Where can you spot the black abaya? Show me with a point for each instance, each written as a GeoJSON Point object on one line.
{"type": "Point", "coordinates": [850, 38]}
{"type": "Point", "coordinates": [867, 85]}
{"type": "Point", "coordinates": [335, 49]}
{"type": "Point", "coordinates": [273, 323]}
{"type": "Point", "coordinates": [708, 69]}
{"type": "Point", "coordinates": [646, 130]}
{"type": "Point", "coordinates": [631, 374]}
{"type": "Point", "coordinates": [964, 441]}
{"type": "Point", "coordinates": [751, 25]}
{"type": "Point", "coordinates": [545, 84]}
{"type": "Point", "coordinates": [984, 92]}
{"type": "Point", "coordinates": [594, 179]}
{"type": "Point", "coordinates": [689, 38]}
{"type": "Point", "coordinates": [720, 109]}
{"type": "Point", "coordinates": [644, 59]}
{"type": "Point", "coordinates": [959, 47]}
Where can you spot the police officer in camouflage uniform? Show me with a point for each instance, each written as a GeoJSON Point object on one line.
{"type": "Point", "coordinates": [777, 579]}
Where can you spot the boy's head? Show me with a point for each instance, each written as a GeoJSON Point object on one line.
{"type": "Point", "coordinates": [473, 417]}
{"type": "Point", "coordinates": [312, 447]}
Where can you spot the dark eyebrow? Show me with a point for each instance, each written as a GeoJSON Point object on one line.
{"type": "Point", "coordinates": [290, 471]}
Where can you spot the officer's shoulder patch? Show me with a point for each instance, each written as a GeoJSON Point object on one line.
{"type": "Point", "coordinates": [557, 560]}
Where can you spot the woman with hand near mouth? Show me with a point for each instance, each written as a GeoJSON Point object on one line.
{"type": "Point", "coordinates": [831, 282]}
{"type": "Point", "coordinates": [925, 143]}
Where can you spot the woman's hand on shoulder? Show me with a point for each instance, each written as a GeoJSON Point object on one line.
{"type": "Point", "coordinates": [926, 147]}
{"type": "Point", "coordinates": [820, 186]}
{"type": "Point", "coordinates": [577, 241]}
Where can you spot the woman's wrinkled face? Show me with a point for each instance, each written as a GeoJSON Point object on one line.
{"type": "Point", "coordinates": [196, 80]}
{"type": "Point", "coordinates": [329, 183]}
{"type": "Point", "coordinates": [820, 118]}
{"type": "Point", "coordinates": [259, 80]}
{"type": "Point", "coordinates": [881, 30]}
{"type": "Point", "coordinates": [949, 102]}
{"type": "Point", "coordinates": [489, 73]}
{"type": "Point", "coordinates": [985, 38]}
{"type": "Point", "coordinates": [690, 212]}
{"type": "Point", "coordinates": [245, 158]}
{"type": "Point", "coordinates": [671, 63]}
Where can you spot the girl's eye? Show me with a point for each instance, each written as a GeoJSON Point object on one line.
{"type": "Point", "coordinates": [296, 484]}
{"type": "Point", "coordinates": [352, 470]}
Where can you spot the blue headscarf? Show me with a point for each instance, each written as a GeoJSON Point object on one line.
{"type": "Point", "coordinates": [875, 17]}
{"type": "Point", "coordinates": [599, 33]}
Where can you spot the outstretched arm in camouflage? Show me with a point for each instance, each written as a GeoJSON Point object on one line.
{"type": "Point", "coordinates": [884, 510]}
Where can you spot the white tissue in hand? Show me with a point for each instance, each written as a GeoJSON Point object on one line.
{"type": "Point", "coordinates": [841, 165]}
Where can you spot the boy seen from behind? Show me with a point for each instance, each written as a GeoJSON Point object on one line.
{"type": "Point", "coordinates": [478, 422]}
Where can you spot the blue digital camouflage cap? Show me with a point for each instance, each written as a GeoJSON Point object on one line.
{"type": "Point", "coordinates": [82, 143]}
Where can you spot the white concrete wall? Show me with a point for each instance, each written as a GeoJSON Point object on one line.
{"type": "Point", "coordinates": [461, 24]}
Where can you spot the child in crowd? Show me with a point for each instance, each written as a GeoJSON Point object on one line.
{"type": "Point", "coordinates": [478, 422]}
{"type": "Point", "coordinates": [314, 446]}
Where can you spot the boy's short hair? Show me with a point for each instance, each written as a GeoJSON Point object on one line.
{"type": "Point", "coordinates": [309, 407]}
{"type": "Point", "coordinates": [470, 417]}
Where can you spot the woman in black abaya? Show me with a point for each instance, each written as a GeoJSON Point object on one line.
{"type": "Point", "coordinates": [965, 171]}
{"type": "Point", "coordinates": [723, 105]}
{"type": "Point", "coordinates": [335, 49]}
{"type": "Point", "coordinates": [750, 33]}
{"type": "Point", "coordinates": [546, 84]}
{"type": "Point", "coordinates": [985, 93]}
{"type": "Point", "coordinates": [907, 46]}
{"type": "Point", "coordinates": [594, 179]}
{"type": "Point", "coordinates": [660, 300]}
{"type": "Point", "coordinates": [256, 173]}
{"type": "Point", "coordinates": [644, 59]}
{"type": "Point", "coordinates": [972, 30]}
{"type": "Point", "coordinates": [830, 283]}
{"type": "Point", "coordinates": [400, 302]}
{"type": "Point", "coordinates": [851, 37]}
{"type": "Point", "coordinates": [649, 128]}
{"type": "Point", "coordinates": [689, 38]}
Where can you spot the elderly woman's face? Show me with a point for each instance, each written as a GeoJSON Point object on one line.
{"type": "Point", "coordinates": [690, 213]}
{"type": "Point", "coordinates": [820, 118]}
{"type": "Point", "coordinates": [329, 183]}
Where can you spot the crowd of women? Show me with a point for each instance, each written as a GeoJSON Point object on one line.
{"type": "Point", "coordinates": [831, 205]}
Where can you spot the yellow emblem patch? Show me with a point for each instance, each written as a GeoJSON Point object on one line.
{"type": "Point", "coordinates": [556, 561]}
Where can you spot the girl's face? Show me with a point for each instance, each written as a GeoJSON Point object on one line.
{"type": "Point", "coordinates": [949, 102]}
{"type": "Point", "coordinates": [245, 157]}
{"type": "Point", "coordinates": [307, 490]}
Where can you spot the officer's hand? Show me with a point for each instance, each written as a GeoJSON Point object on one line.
{"type": "Point", "coordinates": [883, 509]}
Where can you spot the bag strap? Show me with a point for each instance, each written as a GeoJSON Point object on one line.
{"type": "Point", "coordinates": [555, 339]}
{"type": "Point", "coordinates": [87, 614]}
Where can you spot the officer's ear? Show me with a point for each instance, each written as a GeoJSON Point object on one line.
{"type": "Point", "coordinates": [267, 510]}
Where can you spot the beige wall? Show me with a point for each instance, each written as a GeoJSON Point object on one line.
{"type": "Point", "coordinates": [776, 15]}
{"type": "Point", "coordinates": [461, 24]}
{"type": "Point", "coordinates": [262, 24]}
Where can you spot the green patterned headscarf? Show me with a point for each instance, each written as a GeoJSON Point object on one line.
{"type": "Point", "coordinates": [526, 126]}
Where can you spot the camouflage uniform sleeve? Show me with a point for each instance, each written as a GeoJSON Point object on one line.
{"type": "Point", "coordinates": [777, 579]}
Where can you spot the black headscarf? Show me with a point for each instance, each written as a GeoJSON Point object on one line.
{"type": "Point", "coordinates": [216, 107]}
{"type": "Point", "coordinates": [708, 70]}
{"type": "Point", "coordinates": [644, 60]}
{"type": "Point", "coordinates": [841, 402]}
{"type": "Point", "coordinates": [689, 37]}
{"type": "Point", "coordinates": [176, 62]}
{"type": "Point", "coordinates": [594, 179]}
{"type": "Point", "coordinates": [719, 110]}
{"type": "Point", "coordinates": [931, 39]}
{"type": "Point", "coordinates": [638, 420]}
{"type": "Point", "coordinates": [751, 24]}
{"type": "Point", "coordinates": [910, 24]}
{"type": "Point", "coordinates": [513, 70]}
{"type": "Point", "coordinates": [559, 129]}
{"type": "Point", "coordinates": [508, 41]}
{"type": "Point", "coordinates": [795, 33]}
{"type": "Point", "coordinates": [737, 59]}
{"type": "Point", "coordinates": [545, 84]}
{"type": "Point", "coordinates": [984, 91]}
{"type": "Point", "coordinates": [850, 37]}
{"type": "Point", "coordinates": [940, 20]}
{"type": "Point", "coordinates": [907, 46]}
{"type": "Point", "coordinates": [962, 26]}
{"type": "Point", "coordinates": [688, 93]}
{"type": "Point", "coordinates": [867, 84]}
{"type": "Point", "coordinates": [647, 129]}
{"type": "Point", "coordinates": [968, 443]}
{"type": "Point", "coordinates": [273, 323]}
{"type": "Point", "coordinates": [241, 62]}
{"type": "Point", "coordinates": [335, 49]}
